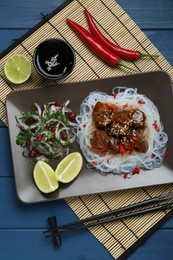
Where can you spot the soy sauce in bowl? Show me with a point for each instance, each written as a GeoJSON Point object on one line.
{"type": "Point", "coordinates": [54, 59]}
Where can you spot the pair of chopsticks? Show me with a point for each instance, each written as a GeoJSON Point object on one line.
{"type": "Point", "coordinates": [162, 202]}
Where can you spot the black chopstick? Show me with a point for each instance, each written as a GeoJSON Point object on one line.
{"type": "Point", "coordinates": [161, 198]}
{"type": "Point", "coordinates": [121, 217]}
{"type": "Point", "coordinates": [113, 215]}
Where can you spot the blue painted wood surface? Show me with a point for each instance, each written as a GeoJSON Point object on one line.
{"type": "Point", "coordinates": [21, 225]}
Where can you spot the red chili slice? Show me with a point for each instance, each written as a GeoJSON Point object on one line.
{"type": "Point", "coordinates": [111, 106]}
{"type": "Point", "coordinates": [115, 95]}
{"type": "Point", "coordinates": [125, 175]}
{"type": "Point", "coordinates": [122, 149]}
{"type": "Point", "coordinates": [166, 153]}
{"type": "Point", "coordinates": [94, 163]}
{"type": "Point", "coordinates": [141, 102]}
{"type": "Point", "coordinates": [136, 170]}
{"type": "Point", "coordinates": [156, 126]}
{"type": "Point", "coordinates": [125, 105]}
{"type": "Point", "coordinates": [102, 154]}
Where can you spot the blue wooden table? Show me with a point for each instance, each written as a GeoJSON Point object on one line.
{"type": "Point", "coordinates": [21, 225]}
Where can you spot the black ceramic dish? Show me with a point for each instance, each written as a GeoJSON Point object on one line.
{"type": "Point", "coordinates": [54, 59]}
{"type": "Point", "coordinates": [155, 85]}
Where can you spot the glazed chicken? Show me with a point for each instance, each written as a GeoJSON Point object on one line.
{"type": "Point", "coordinates": [118, 130]}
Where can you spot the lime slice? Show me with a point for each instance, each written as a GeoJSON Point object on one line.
{"type": "Point", "coordinates": [68, 169]}
{"type": "Point", "coordinates": [44, 177]}
{"type": "Point", "coordinates": [17, 68]}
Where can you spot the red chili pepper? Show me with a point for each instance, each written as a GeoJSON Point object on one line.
{"type": "Point", "coordinates": [156, 127]}
{"type": "Point", "coordinates": [132, 148]}
{"type": "Point", "coordinates": [130, 151]}
{"type": "Point", "coordinates": [122, 149]}
{"type": "Point", "coordinates": [125, 105]}
{"type": "Point", "coordinates": [140, 102]}
{"type": "Point", "coordinates": [132, 145]}
{"type": "Point", "coordinates": [94, 163]}
{"type": "Point", "coordinates": [136, 170]}
{"type": "Point", "coordinates": [115, 95]}
{"type": "Point", "coordinates": [102, 154]}
{"type": "Point", "coordinates": [96, 132]}
{"type": "Point", "coordinates": [122, 52]}
{"type": "Point", "coordinates": [125, 175]}
{"type": "Point", "coordinates": [111, 106]}
{"type": "Point", "coordinates": [95, 46]}
{"type": "Point", "coordinates": [166, 154]}
{"type": "Point", "coordinates": [103, 147]}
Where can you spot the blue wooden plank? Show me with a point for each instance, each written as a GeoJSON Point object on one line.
{"type": "Point", "coordinates": [147, 13]}
{"type": "Point", "coordinates": [22, 225]}
{"type": "Point", "coordinates": [5, 153]}
{"type": "Point", "coordinates": [29, 11]}
{"type": "Point", "coordinates": [153, 249]}
{"type": "Point", "coordinates": [8, 36]}
{"type": "Point", "coordinates": [150, 14]}
{"type": "Point", "coordinates": [30, 244]}
{"type": "Point", "coordinates": [168, 224]}
{"type": "Point", "coordinates": [2, 124]}
{"type": "Point", "coordinates": [163, 42]}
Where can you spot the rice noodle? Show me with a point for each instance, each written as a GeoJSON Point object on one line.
{"type": "Point", "coordinates": [118, 164]}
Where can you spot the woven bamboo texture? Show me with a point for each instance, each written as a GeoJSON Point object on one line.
{"type": "Point", "coordinates": [119, 27]}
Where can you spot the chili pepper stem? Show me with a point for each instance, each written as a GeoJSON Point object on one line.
{"type": "Point", "coordinates": [142, 55]}
{"type": "Point", "coordinates": [120, 63]}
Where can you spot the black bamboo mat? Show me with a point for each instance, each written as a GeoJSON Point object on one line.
{"type": "Point", "coordinates": [122, 237]}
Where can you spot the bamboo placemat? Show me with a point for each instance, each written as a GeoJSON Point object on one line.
{"type": "Point", "coordinates": [122, 237]}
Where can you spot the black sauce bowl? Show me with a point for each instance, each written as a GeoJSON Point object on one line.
{"type": "Point", "coordinates": [54, 59]}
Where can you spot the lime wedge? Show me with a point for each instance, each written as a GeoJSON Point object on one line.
{"type": "Point", "coordinates": [17, 68]}
{"type": "Point", "coordinates": [44, 177]}
{"type": "Point", "coordinates": [69, 168]}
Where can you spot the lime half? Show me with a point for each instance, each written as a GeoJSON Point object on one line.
{"type": "Point", "coordinates": [17, 68]}
{"type": "Point", "coordinates": [69, 168]}
{"type": "Point", "coordinates": [44, 177]}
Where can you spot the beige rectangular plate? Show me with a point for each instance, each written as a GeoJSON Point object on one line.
{"type": "Point", "coordinates": [155, 85]}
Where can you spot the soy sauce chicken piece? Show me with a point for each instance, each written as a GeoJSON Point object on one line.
{"type": "Point", "coordinates": [102, 115]}
{"type": "Point", "coordinates": [99, 140]}
{"type": "Point", "coordinates": [121, 124]}
{"type": "Point", "coordinates": [140, 142]}
{"type": "Point", "coordinates": [118, 129]}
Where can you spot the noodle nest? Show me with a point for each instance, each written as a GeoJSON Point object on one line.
{"type": "Point", "coordinates": [118, 164]}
